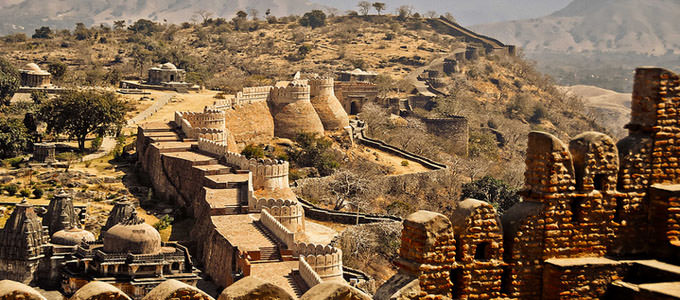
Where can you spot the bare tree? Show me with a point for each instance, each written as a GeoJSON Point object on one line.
{"type": "Point", "coordinates": [204, 14]}
{"type": "Point", "coordinates": [364, 7]}
{"type": "Point", "coordinates": [347, 186]}
{"type": "Point", "coordinates": [253, 13]}
{"type": "Point", "coordinates": [379, 6]}
{"type": "Point", "coordinates": [431, 14]}
{"type": "Point", "coordinates": [404, 12]}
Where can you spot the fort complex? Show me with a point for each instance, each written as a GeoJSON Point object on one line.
{"type": "Point", "coordinates": [599, 218]}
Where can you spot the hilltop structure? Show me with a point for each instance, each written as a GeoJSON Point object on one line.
{"type": "Point", "coordinates": [33, 76]}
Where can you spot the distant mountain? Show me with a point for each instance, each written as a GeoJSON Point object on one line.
{"type": "Point", "coordinates": [26, 15]}
{"type": "Point", "coordinates": [647, 27]}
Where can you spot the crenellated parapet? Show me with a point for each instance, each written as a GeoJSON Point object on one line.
{"type": "Point", "coordinates": [252, 95]}
{"type": "Point", "coordinates": [326, 104]}
{"type": "Point", "coordinates": [326, 261]}
{"type": "Point", "coordinates": [321, 86]}
{"type": "Point", "coordinates": [268, 174]}
{"type": "Point", "coordinates": [291, 216]}
{"type": "Point", "coordinates": [256, 205]}
{"type": "Point", "coordinates": [295, 91]}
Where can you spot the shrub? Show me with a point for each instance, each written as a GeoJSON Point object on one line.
{"type": "Point", "coordinates": [253, 151]}
{"type": "Point", "coordinates": [314, 19]}
{"type": "Point", "coordinates": [12, 189]}
{"type": "Point", "coordinates": [96, 143]}
{"type": "Point", "coordinates": [38, 193]}
{"type": "Point", "coordinates": [493, 191]}
{"type": "Point", "coordinates": [25, 193]}
{"type": "Point", "coordinates": [315, 151]}
{"type": "Point", "coordinates": [389, 36]}
{"type": "Point", "coordinates": [164, 222]}
{"type": "Point", "coordinates": [404, 163]}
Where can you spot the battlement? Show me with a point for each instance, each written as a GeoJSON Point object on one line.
{"type": "Point", "coordinates": [321, 86]}
{"type": "Point", "coordinates": [294, 92]}
{"type": "Point", "coordinates": [268, 174]}
{"type": "Point", "coordinates": [256, 205]}
{"type": "Point", "coordinates": [291, 216]}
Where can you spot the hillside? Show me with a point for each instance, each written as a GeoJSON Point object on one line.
{"type": "Point", "coordinates": [502, 97]}
{"type": "Point", "coordinates": [26, 15]}
{"type": "Point", "coordinates": [639, 26]}
{"type": "Point", "coordinates": [612, 108]}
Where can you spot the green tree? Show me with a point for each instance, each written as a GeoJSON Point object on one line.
{"type": "Point", "coordinates": [43, 33]}
{"type": "Point", "coordinates": [314, 152]}
{"type": "Point", "coordinates": [379, 6]}
{"type": "Point", "coordinates": [57, 69]}
{"type": "Point", "coordinates": [314, 19]}
{"type": "Point", "coordinates": [253, 151]}
{"type": "Point", "coordinates": [14, 138]}
{"type": "Point", "coordinates": [144, 26]}
{"type": "Point", "coordinates": [80, 113]}
{"type": "Point", "coordinates": [81, 32]}
{"type": "Point", "coordinates": [491, 190]}
{"type": "Point", "coordinates": [9, 85]}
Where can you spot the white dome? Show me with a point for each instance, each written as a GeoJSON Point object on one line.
{"type": "Point", "coordinates": [168, 66]}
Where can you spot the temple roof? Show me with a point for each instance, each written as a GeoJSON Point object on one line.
{"type": "Point", "coordinates": [132, 236]}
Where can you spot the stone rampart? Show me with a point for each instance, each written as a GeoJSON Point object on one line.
{"type": "Point", "coordinates": [295, 91]}
{"type": "Point", "coordinates": [268, 174]}
{"type": "Point", "coordinates": [324, 260]}
{"type": "Point", "coordinates": [256, 205]}
{"type": "Point", "coordinates": [251, 95]}
{"type": "Point", "coordinates": [292, 216]}
{"type": "Point", "coordinates": [326, 104]}
{"type": "Point", "coordinates": [308, 274]}
{"type": "Point", "coordinates": [276, 228]}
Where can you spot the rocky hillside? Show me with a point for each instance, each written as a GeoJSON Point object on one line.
{"type": "Point", "coordinates": [637, 26]}
{"type": "Point", "coordinates": [26, 15]}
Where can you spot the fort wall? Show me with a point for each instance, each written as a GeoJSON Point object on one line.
{"type": "Point", "coordinates": [327, 105]}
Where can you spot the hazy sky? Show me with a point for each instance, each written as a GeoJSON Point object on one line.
{"type": "Point", "coordinates": [469, 12]}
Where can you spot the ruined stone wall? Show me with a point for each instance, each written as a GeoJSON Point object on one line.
{"type": "Point", "coordinates": [582, 279]}
{"type": "Point", "coordinates": [479, 251]}
{"type": "Point", "coordinates": [455, 129]}
{"type": "Point", "coordinates": [428, 251]}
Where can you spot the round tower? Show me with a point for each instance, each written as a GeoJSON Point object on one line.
{"type": "Point", "coordinates": [293, 112]}
{"type": "Point", "coordinates": [327, 105]}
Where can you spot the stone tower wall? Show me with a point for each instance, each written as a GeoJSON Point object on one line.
{"type": "Point", "coordinates": [327, 106]}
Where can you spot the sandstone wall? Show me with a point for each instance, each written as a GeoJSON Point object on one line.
{"type": "Point", "coordinates": [250, 124]}
{"type": "Point", "coordinates": [327, 106]}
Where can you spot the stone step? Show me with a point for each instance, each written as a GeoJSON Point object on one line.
{"type": "Point", "coordinates": [297, 283]}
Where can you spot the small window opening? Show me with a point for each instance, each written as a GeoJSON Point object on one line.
{"type": "Point", "coordinates": [599, 181]}
{"type": "Point", "coordinates": [483, 251]}
{"type": "Point", "coordinates": [576, 208]}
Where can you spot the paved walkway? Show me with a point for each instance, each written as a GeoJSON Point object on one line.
{"type": "Point", "coordinates": [162, 101]}
{"type": "Point", "coordinates": [108, 143]}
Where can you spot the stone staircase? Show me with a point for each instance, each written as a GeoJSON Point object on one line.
{"type": "Point", "coordinates": [270, 254]}
{"type": "Point", "coordinates": [297, 283]}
